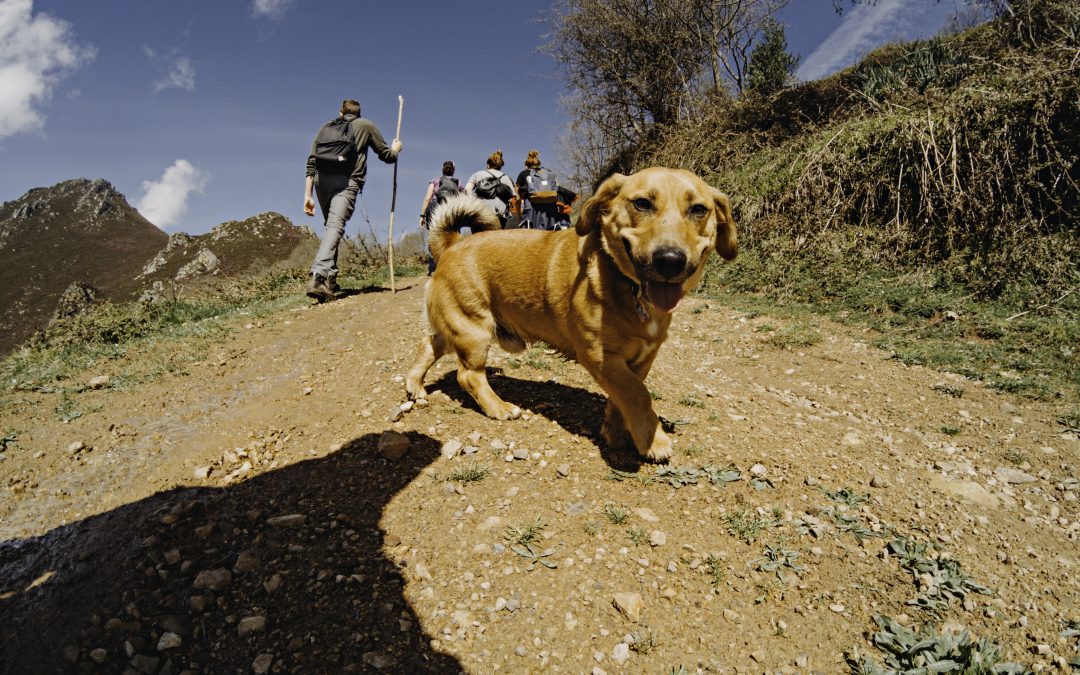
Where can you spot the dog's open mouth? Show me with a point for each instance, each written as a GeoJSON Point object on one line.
{"type": "Point", "coordinates": [664, 296]}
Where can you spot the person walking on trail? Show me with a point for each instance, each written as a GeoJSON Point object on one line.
{"type": "Point", "coordinates": [439, 190]}
{"type": "Point", "coordinates": [336, 171]}
{"type": "Point", "coordinates": [493, 186]}
{"type": "Point", "coordinates": [538, 192]}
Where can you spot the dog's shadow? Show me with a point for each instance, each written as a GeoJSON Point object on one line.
{"type": "Point", "coordinates": [578, 411]}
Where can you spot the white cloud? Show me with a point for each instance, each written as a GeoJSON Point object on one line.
{"type": "Point", "coordinates": [181, 75]}
{"type": "Point", "coordinates": [867, 26]}
{"type": "Point", "coordinates": [271, 9]}
{"type": "Point", "coordinates": [36, 52]}
{"type": "Point", "coordinates": [164, 200]}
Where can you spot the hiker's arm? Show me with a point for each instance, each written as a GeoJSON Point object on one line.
{"type": "Point", "coordinates": [386, 153]}
{"type": "Point", "coordinates": [424, 204]}
{"type": "Point", "coordinates": [309, 202]}
{"type": "Point", "coordinates": [470, 187]}
{"type": "Point", "coordinates": [309, 182]}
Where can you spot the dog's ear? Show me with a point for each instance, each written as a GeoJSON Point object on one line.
{"type": "Point", "coordinates": [727, 241]}
{"type": "Point", "coordinates": [597, 204]}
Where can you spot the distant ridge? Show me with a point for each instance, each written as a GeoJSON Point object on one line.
{"type": "Point", "coordinates": [77, 230]}
{"type": "Point", "coordinates": [85, 231]}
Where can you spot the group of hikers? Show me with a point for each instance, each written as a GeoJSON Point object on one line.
{"type": "Point", "coordinates": [535, 201]}
{"type": "Point", "coordinates": [337, 170]}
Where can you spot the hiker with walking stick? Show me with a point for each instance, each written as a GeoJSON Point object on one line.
{"type": "Point", "coordinates": [336, 171]}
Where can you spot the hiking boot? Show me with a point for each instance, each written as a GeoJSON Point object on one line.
{"type": "Point", "coordinates": [332, 284]}
{"type": "Point", "coordinates": [318, 289]}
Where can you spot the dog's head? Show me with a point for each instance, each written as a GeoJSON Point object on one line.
{"type": "Point", "coordinates": [659, 225]}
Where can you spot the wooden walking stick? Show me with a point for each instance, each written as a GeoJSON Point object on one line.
{"type": "Point", "coordinates": [393, 194]}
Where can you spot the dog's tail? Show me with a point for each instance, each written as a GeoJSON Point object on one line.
{"type": "Point", "coordinates": [455, 213]}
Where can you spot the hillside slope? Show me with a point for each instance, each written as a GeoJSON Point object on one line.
{"type": "Point", "coordinates": [77, 230]}
{"type": "Point", "coordinates": [235, 512]}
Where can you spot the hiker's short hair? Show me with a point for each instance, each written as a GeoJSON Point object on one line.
{"type": "Point", "coordinates": [495, 161]}
{"type": "Point", "coordinates": [350, 107]}
{"type": "Point", "coordinates": [448, 168]}
{"type": "Point", "coordinates": [533, 160]}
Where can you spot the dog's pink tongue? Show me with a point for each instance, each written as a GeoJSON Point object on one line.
{"type": "Point", "coordinates": [664, 296]}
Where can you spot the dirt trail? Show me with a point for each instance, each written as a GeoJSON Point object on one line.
{"type": "Point", "coordinates": [125, 555]}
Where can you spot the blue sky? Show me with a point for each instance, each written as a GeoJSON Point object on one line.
{"type": "Point", "coordinates": [201, 112]}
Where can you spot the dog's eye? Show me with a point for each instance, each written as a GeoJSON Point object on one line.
{"type": "Point", "coordinates": [698, 210]}
{"type": "Point", "coordinates": [642, 204]}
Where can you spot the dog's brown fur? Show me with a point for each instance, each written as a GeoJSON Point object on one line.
{"type": "Point", "coordinates": [601, 293]}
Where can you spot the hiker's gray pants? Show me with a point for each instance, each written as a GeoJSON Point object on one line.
{"type": "Point", "coordinates": [337, 200]}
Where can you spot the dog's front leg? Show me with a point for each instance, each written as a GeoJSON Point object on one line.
{"type": "Point", "coordinates": [633, 409]}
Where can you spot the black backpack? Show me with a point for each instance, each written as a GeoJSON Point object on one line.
{"type": "Point", "coordinates": [334, 146]}
{"type": "Point", "coordinates": [447, 188]}
{"type": "Point", "coordinates": [493, 187]}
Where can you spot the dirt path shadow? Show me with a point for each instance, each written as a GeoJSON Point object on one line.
{"type": "Point", "coordinates": [577, 410]}
{"type": "Point", "coordinates": [286, 569]}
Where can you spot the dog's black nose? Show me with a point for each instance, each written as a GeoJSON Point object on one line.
{"type": "Point", "coordinates": [669, 262]}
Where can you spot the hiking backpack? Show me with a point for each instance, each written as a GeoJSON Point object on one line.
{"type": "Point", "coordinates": [493, 187]}
{"type": "Point", "coordinates": [446, 188]}
{"type": "Point", "coordinates": [543, 189]}
{"type": "Point", "coordinates": [334, 145]}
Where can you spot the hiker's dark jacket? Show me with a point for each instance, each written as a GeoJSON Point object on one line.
{"type": "Point", "coordinates": [365, 135]}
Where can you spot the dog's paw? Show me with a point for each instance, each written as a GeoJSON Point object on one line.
{"type": "Point", "coordinates": [661, 449]}
{"type": "Point", "coordinates": [415, 390]}
{"type": "Point", "coordinates": [505, 411]}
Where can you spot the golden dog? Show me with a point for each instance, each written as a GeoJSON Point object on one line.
{"type": "Point", "coordinates": [601, 294]}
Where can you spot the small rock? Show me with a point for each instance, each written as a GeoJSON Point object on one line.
{"type": "Point", "coordinates": [261, 664]}
{"type": "Point", "coordinates": [1007, 474]}
{"type": "Point", "coordinates": [451, 448]}
{"type": "Point", "coordinates": [811, 481]}
{"type": "Point", "coordinates": [563, 470]}
{"type": "Point", "coordinates": [620, 653]}
{"type": "Point", "coordinates": [758, 655]}
{"type": "Point", "coordinates": [393, 445]}
{"type": "Point", "coordinates": [500, 604]}
{"type": "Point", "coordinates": [213, 580]}
{"type": "Point", "coordinates": [203, 472]}
{"type": "Point", "coordinates": [491, 523]}
{"type": "Point", "coordinates": [879, 482]}
{"type": "Point", "coordinates": [513, 605]}
{"type": "Point", "coordinates": [251, 624]}
{"type": "Point", "coordinates": [521, 453]}
{"type": "Point", "coordinates": [731, 615]}
{"type": "Point", "coordinates": [76, 447]}
{"type": "Point", "coordinates": [520, 650]}
{"type": "Point", "coordinates": [169, 641]}
{"type": "Point", "coordinates": [657, 538]}
{"type": "Point", "coordinates": [395, 413]}
{"type": "Point", "coordinates": [577, 509]}
{"type": "Point", "coordinates": [99, 382]}
{"type": "Point", "coordinates": [146, 664]}
{"type": "Point", "coordinates": [291, 520]}
{"type": "Point", "coordinates": [247, 561]}
{"type": "Point", "coordinates": [273, 583]}
{"type": "Point", "coordinates": [630, 604]}
{"type": "Point", "coordinates": [758, 469]}
{"type": "Point", "coordinates": [837, 607]}
{"type": "Point", "coordinates": [407, 406]}
{"type": "Point", "coordinates": [422, 572]}
{"type": "Point", "coordinates": [647, 515]}
{"type": "Point", "coordinates": [802, 660]}
{"type": "Point", "coordinates": [379, 660]}
{"type": "Point", "coordinates": [99, 655]}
